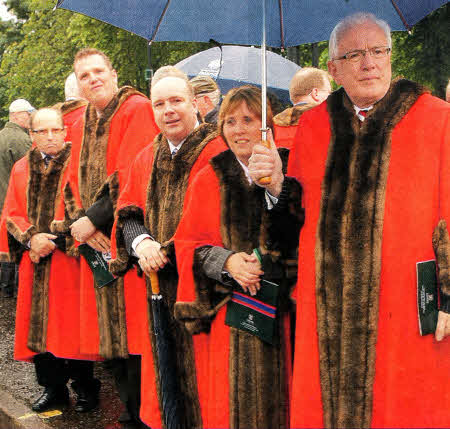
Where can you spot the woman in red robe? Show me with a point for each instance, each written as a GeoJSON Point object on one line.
{"type": "Point", "coordinates": [243, 381]}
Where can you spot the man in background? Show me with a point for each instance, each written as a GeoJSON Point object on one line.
{"type": "Point", "coordinates": [308, 88]}
{"type": "Point", "coordinates": [14, 142]}
{"type": "Point", "coordinates": [207, 94]}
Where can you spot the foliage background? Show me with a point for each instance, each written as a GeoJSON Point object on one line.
{"type": "Point", "coordinates": [37, 50]}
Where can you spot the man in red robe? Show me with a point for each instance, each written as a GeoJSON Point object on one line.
{"type": "Point", "coordinates": [117, 124]}
{"type": "Point", "coordinates": [308, 88]}
{"type": "Point", "coordinates": [149, 210]}
{"type": "Point", "coordinates": [374, 162]}
{"type": "Point", "coordinates": [48, 303]}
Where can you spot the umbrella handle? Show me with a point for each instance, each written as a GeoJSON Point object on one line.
{"type": "Point", "coordinates": [265, 180]}
{"type": "Point", "coordinates": [154, 281]}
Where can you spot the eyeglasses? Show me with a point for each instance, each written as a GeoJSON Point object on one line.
{"type": "Point", "coordinates": [357, 55]}
{"type": "Point", "coordinates": [55, 131]}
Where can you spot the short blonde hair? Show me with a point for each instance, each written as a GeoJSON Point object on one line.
{"type": "Point", "coordinates": [305, 80]}
{"type": "Point", "coordinates": [87, 52]}
{"type": "Point", "coordinates": [171, 71]}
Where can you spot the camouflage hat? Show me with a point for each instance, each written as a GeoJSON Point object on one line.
{"type": "Point", "coordinates": [203, 85]}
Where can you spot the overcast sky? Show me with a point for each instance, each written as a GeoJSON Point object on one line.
{"type": "Point", "coordinates": [4, 15]}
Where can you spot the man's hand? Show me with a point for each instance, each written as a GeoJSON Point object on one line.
{"type": "Point", "coordinates": [99, 241]}
{"type": "Point", "coordinates": [443, 326]}
{"type": "Point", "coordinates": [151, 258]}
{"type": "Point", "coordinates": [82, 229]}
{"type": "Point", "coordinates": [266, 162]}
{"type": "Point", "coordinates": [34, 257]}
{"type": "Point", "coordinates": [246, 270]}
{"type": "Point", "coordinates": [42, 245]}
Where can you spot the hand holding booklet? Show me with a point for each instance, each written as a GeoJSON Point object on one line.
{"type": "Point", "coordinates": [255, 314]}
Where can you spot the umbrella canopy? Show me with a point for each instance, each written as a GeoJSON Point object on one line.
{"type": "Point", "coordinates": [289, 22]}
{"type": "Point", "coordinates": [232, 66]}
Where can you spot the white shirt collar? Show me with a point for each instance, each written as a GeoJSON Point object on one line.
{"type": "Point", "coordinates": [358, 109]}
{"type": "Point", "coordinates": [178, 146]}
{"type": "Point", "coordinates": [246, 172]}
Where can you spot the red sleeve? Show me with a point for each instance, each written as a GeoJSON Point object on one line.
{"type": "Point", "coordinates": [199, 226]}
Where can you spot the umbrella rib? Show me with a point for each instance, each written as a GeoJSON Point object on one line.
{"type": "Point", "coordinates": [159, 22]}
{"type": "Point", "coordinates": [280, 3]}
{"type": "Point", "coordinates": [400, 14]}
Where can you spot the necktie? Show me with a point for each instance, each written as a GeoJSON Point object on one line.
{"type": "Point", "coordinates": [362, 114]}
{"type": "Point", "coordinates": [47, 159]}
{"type": "Point", "coordinates": [174, 151]}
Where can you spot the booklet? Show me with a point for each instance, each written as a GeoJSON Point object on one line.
{"type": "Point", "coordinates": [98, 263]}
{"type": "Point", "coordinates": [427, 299]}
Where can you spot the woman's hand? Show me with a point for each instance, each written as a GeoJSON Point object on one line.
{"type": "Point", "coordinates": [266, 162]}
{"type": "Point", "coordinates": [246, 270]}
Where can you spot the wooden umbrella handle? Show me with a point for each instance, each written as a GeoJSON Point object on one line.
{"type": "Point", "coordinates": [265, 180]}
{"type": "Point", "coordinates": [154, 281]}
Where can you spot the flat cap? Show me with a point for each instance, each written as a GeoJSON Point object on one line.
{"type": "Point", "coordinates": [20, 105]}
{"type": "Point", "coordinates": [203, 84]}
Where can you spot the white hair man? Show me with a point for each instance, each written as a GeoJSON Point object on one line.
{"type": "Point", "coordinates": [374, 163]}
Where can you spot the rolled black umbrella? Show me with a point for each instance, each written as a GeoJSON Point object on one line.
{"type": "Point", "coordinates": [165, 354]}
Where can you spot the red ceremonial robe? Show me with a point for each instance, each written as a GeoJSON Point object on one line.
{"type": "Point", "coordinates": [374, 370]}
{"type": "Point", "coordinates": [103, 150]}
{"type": "Point", "coordinates": [137, 199]}
{"type": "Point", "coordinates": [243, 382]}
{"type": "Point", "coordinates": [285, 124]}
{"type": "Point", "coordinates": [72, 111]}
{"type": "Point", "coordinates": [47, 316]}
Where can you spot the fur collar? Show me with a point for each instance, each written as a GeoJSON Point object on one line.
{"type": "Point", "coordinates": [291, 115]}
{"type": "Point", "coordinates": [92, 168]}
{"type": "Point", "coordinates": [69, 106]}
{"type": "Point", "coordinates": [348, 251]}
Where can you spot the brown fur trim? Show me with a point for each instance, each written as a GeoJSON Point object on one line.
{"type": "Point", "coordinates": [69, 106]}
{"type": "Point", "coordinates": [43, 194]}
{"type": "Point", "coordinates": [290, 116]}
{"type": "Point", "coordinates": [112, 320]}
{"type": "Point", "coordinates": [4, 257]}
{"type": "Point", "coordinates": [166, 171]}
{"type": "Point", "coordinates": [348, 251]}
{"type": "Point", "coordinates": [164, 205]}
{"type": "Point", "coordinates": [441, 245]}
{"type": "Point", "coordinates": [246, 224]}
{"type": "Point", "coordinates": [123, 262]}
{"type": "Point", "coordinates": [92, 167]}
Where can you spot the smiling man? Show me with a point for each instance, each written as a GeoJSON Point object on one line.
{"type": "Point", "coordinates": [149, 210]}
{"type": "Point", "coordinates": [116, 125]}
{"type": "Point", "coordinates": [377, 201]}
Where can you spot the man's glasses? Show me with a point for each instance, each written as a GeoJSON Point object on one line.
{"type": "Point", "coordinates": [55, 131]}
{"type": "Point", "coordinates": [357, 55]}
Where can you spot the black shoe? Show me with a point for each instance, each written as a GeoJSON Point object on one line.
{"type": "Point", "coordinates": [51, 398]}
{"type": "Point", "coordinates": [87, 397]}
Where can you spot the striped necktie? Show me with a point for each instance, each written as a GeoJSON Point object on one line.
{"type": "Point", "coordinates": [47, 159]}
{"type": "Point", "coordinates": [174, 151]}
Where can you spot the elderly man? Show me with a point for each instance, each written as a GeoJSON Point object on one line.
{"type": "Point", "coordinates": [207, 94]}
{"type": "Point", "coordinates": [14, 142]}
{"type": "Point", "coordinates": [308, 88]}
{"type": "Point", "coordinates": [149, 210]}
{"type": "Point", "coordinates": [117, 124]}
{"type": "Point", "coordinates": [48, 304]}
{"type": "Point", "coordinates": [374, 162]}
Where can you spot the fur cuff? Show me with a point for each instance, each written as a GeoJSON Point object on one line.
{"type": "Point", "coordinates": [441, 245]}
{"type": "Point", "coordinates": [123, 261]}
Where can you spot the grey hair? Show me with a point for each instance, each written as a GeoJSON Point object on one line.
{"type": "Point", "coordinates": [351, 21]}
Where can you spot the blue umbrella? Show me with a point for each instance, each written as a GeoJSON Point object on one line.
{"type": "Point", "coordinates": [277, 23]}
{"type": "Point", "coordinates": [289, 22]}
{"type": "Point", "coordinates": [232, 66]}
